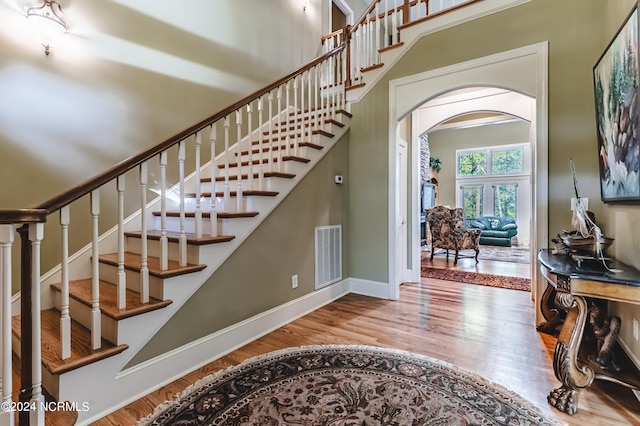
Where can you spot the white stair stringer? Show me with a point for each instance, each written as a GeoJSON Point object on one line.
{"type": "Point", "coordinates": [96, 383]}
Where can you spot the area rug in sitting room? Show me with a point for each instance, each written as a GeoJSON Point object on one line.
{"type": "Point", "coordinates": [346, 385]}
{"type": "Point", "coordinates": [491, 280]}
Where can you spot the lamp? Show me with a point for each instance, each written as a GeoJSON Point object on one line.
{"type": "Point", "coordinates": [47, 23]}
{"type": "Point", "coordinates": [305, 3]}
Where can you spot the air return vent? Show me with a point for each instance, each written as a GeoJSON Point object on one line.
{"type": "Point", "coordinates": [328, 255]}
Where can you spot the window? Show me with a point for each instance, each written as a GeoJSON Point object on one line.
{"type": "Point", "coordinates": [505, 200]}
{"type": "Point", "coordinates": [507, 161]}
{"type": "Point", "coordinates": [473, 203]}
{"type": "Point", "coordinates": [472, 163]}
{"type": "Point", "coordinates": [492, 180]}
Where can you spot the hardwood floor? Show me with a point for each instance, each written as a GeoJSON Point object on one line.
{"type": "Point", "coordinates": [485, 330]}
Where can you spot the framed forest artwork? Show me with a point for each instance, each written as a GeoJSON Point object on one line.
{"type": "Point", "coordinates": [616, 84]}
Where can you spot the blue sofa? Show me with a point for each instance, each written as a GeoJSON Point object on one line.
{"type": "Point", "coordinates": [495, 230]}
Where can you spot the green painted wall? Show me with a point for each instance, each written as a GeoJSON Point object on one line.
{"type": "Point", "coordinates": [573, 50]}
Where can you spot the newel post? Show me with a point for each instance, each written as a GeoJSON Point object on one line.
{"type": "Point", "coordinates": [26, 352]}
{"type": "Point", "coordinates": [347, 40]}
{"type": "Point", "coordinates": [405, 12]}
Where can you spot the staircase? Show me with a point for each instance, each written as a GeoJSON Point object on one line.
{"type": "Point", "coordinates": [103, 303]}
{"type": "Point", "coordinates": [124, 330]}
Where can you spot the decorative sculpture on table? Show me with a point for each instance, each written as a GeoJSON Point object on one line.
{"type": "Point", "coordinates": [606, 331]}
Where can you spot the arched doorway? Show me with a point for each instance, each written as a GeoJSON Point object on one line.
{"type": "Point", "coordinates": [480, 121]}
{"type": "Point", "coordinates": [521, 71]}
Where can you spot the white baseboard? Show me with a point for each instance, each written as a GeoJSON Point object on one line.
{"type": "Point", "coordinates": [135, 382]}
{"type": "Point", "coordinates": [369, 288]}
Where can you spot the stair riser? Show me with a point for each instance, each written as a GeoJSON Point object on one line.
{"type": "Point", "coordinates": [269, 184]}
{"type": "Point", "coordinates": [225, 226]}
{"type": "Point", "coordinates": [82, 314]}
{"type": "Point", "coordinates": [134, 245]}
{"type": "Point", "coordinates": [109, 273]}
{"type": "Point", "coordinates": [303, 151]}
{"type": "Point", "coordinates": [248, 203]}
{"type": "Point", "coordinates": [294, 167]}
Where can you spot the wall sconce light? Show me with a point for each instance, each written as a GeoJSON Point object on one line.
{"type": "Point", "coordinates": [305, 3]}
{"type": "Point", "coordinates": [47, 23]}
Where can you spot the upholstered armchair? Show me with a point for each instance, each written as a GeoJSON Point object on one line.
{"type": "Point", "coordinates": [446, 227]}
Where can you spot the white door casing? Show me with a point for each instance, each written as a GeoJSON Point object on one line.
{"type": "Point", "coordinates": [401, 211]}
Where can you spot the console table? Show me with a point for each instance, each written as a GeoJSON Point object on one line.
{"type": "Point", "coordinates": [571, 288]}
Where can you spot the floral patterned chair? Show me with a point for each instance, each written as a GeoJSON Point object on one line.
{"type": "Point", "coordinates": [446, 228]}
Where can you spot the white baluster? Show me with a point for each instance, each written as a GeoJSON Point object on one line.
{"type": "Point", "coordinates": [366, 34]}
{"type": "Point", "coordinates": [36, 416]}
{"type": "Point", "coordinates": [239, 158]}
{"type": "Point", "coordinates": [376, 29]}
{"type": "Point", "coordinates": [327, 88]}
{"type": "Point", "coordinates": [387, 18]}
{"type": "Point", "coordinates": [309, 102]}
{"type": "Point", "coordinates": [122, 276]}
{"type": "Point", "coordinates": [213, 215]}
{"type": "Point", "coordinates": [316, 108]}
{"type": "Point", "coordinates": [280, 133]}
{"type": "Point", "coordinates": [182, 242]}
{"type": "Point", "coordinates": [397, 15]}
{"type": "Point", "coordinates": [335, 76]}
{"type": "Point", "coordinates": [250, 140]}
{"type": "Point", "coordinates": [96, 330]}
{"type": "Point", "coordinates": [270, 132]}
{"type": "Point", "coordinates": [164, 241]}
{"type": "Point", "coordinates": [144, 243]}
{"type": "Point", "coordinates": [357, 54]}
{"type": "Point", "coordinates": [286, 120]}
{"type": "Point", "coordinates": [301, 113]}
{"type": "Point", "coordinates": [7, 234]}
{"type": "Point", "coordinates": [260, 141]}
{"type": "Point", "coordinates": [296, 134]}
{"type": "Point", "coordinates": [227, 154]}
{"type": "Point", "coordinates": [198, 212]}
{"type": "Point", "coordinates": [65, 319]}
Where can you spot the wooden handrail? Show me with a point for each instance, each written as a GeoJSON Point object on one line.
{"type": "Point", "coordinates": [8, 217]}
{"type": "Point", "coordinates": [441, 12]}
{"type": "Point", "coordinates": [40, 212]}
{"type": "Point", "coordinates": [332, 35]}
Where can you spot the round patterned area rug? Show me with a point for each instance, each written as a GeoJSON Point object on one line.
{"type": "Point", "coordinates": [346, 385]}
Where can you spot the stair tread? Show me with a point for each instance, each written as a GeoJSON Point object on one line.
{"type": "Point", "coordinates": [245, 192]}
{"type": "Point", "coordinates": [281, 147]}
{"type": "Point", "coordinates": [81, 352]}
{"type": "Point", "coordinates": [174, 237]}
{"type": "Point", "coordinates": [391, 47]}
{"type": "Point", "coordinates": [266, 161]}
{"type": "Point", "coordinates": [224, 215]}
{"type": "Point", "coordinates": [80, 290]}
{"type": "Point", "coordinates": [245, 176]}
{"type": "Point", "coordinates": [133, 262]}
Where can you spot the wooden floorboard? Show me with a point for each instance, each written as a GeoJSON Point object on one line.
{"type": "Point", "coordinates": [485, 330]}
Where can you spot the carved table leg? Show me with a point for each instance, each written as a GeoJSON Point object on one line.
{"type": "Point", "coordinates": [551, 314]}
{"type": "Point", "coordinates": [574, 376]}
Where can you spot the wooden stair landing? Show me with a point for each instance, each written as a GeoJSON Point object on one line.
{"type": "Point", "coordinates": [81, 352]}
